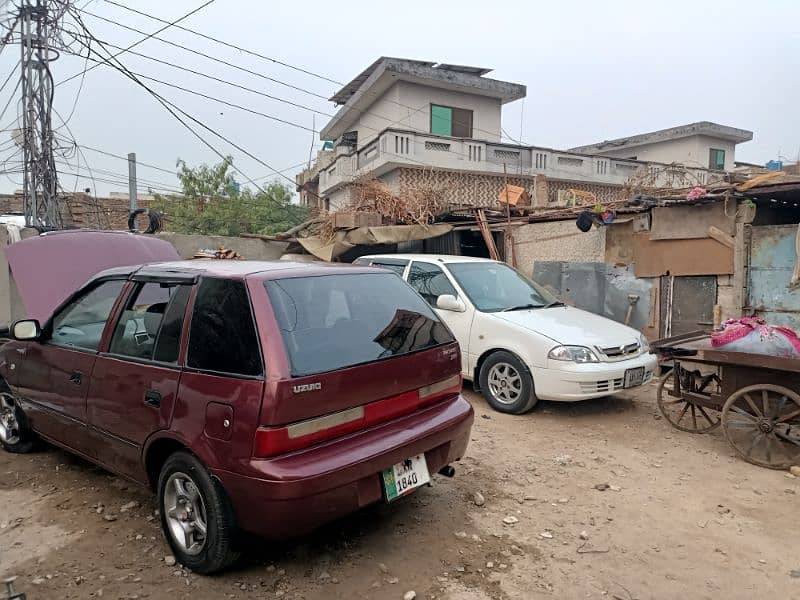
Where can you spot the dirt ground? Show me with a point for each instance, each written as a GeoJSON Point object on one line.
{"type": "Point", "coordinates": [682, 518]}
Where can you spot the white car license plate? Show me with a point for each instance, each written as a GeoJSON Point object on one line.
{"type": "Point", "coordinates": [405, 477]}
{"type": "Point", "coordinates": [634, 377]}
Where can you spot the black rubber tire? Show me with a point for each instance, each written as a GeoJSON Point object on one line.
{"type": "Point", "coordinates": [28, 442]}
{"type": "Point", "coordinates": [219, 551]}
{"type": "Point", "coordinates": [527, 399]}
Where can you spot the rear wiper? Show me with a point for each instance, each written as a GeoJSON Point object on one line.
{"type": "Point", "coordinates": [554, 303]}
{"type": "Point", "coordinates": [522, 307]}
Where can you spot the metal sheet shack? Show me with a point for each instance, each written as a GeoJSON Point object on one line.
{"type": "Point", "coordinates": [680, 260]}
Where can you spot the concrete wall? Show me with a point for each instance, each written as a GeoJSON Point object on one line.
{"type": "Point", "coordinates": [249, 248]}
{"type": "Point", "coordinates": [691, 151]}
{"type": "Point", "coordinates": [384, 112]}
{"type": "Point", "coordinates": [406, 105]}
{"type": "Point", "coordinates": [485, 111]}
{"type": "Point", "coordinates": [556, 240]}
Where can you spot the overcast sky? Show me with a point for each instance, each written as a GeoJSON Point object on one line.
{"type": "Point", "coordinates": [594, 71]}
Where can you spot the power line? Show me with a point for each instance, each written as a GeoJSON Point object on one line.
{"type": "Point", "coordinates": [204, 55]}
{"type": "Point", "coordinates": [229, 45]}
{"type": "Point", "coordinates": [152, 35]}
{"type": "Point", "coordinates": [124, 178]}
{"type": "Point", "coordinates": [125, 158]}
{"type": "Point", "coordinates": [303, 90]}
{"type": "Point", "coordinates": [300, 89]}
{"type": "Point", "coordinates": [212, 98]}
{"type": "Point", "coordinates": [171, 108]}
{"type": "Point", "coordinates": [123, 183]}
{"type": "Point", "coordinates": [218, 79]}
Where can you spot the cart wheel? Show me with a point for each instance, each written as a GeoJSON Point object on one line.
{"type": "Point", "coordinates": [684, 414]}
{"type": "Point", "coordinates": [762, 423]}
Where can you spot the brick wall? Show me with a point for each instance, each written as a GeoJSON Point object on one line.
{"type": "Point", "coordinates": [82, 210]}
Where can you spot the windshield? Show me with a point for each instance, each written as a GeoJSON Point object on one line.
{"type": "Point", "coordinates": [332, 322]}
{"type": "Point", "coordinates": [493, 287]}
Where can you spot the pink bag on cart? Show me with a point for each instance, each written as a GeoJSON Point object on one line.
{"type": "Point", "coordinates": [754, 335]}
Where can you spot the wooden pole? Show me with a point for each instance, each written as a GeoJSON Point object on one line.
{"type": "Point", "coordinates": [509, 235]}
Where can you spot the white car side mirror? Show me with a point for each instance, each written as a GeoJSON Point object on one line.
{"type": "Point", "coordinates": [450, 302]}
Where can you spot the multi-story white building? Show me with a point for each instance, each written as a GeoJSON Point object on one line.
{"type": "Point", "coordinates": [704, 144]}
{"type": "Point", "coordinates": [411, 123]}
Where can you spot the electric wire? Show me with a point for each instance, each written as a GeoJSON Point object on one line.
{"type": "Point", "coordinates": [148, 36]}
{"type": "Point", "coordinates": [228, 44]}
{"type": "Point", "coordinates": [172, 108]}
{"type": "Point", "coordinates": [204, 55]}
{"type": "Point", "coordinates": [184, 68]}
{"type": "Point", "coordinates": [213, 99]}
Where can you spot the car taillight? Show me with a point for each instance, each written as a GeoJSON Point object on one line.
{"type": "Point", "coordinates": [271, 441]}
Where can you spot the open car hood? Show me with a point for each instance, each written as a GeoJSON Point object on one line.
{"type": "Point", "coordinates": [48, 268]}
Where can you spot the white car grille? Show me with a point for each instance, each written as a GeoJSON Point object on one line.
{"type": "Point", "coordinates": [623, 352]}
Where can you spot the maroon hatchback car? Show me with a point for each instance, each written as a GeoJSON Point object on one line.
{"type": "Point", "coordinates": [254, 396]}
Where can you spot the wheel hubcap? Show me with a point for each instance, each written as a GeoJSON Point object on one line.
{"type": "Point", "coordinates": [9, 427]}
{"type": "Point", "coordinates": [505, 383]}
{"type": "Point", "coordinates": [185, 512]}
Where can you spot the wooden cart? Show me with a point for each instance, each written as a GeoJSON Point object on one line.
{"type": "Point", "coordinates": [755, 397]}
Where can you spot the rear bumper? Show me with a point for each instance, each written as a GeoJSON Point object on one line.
{"type": "Point", "coordinates": [297, 493]}
{"type": "Point", "coordinates": [571, 382]}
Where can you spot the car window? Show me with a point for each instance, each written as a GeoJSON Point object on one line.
{"type": "Point", "coordinates": [430, 281]}
{"type": "Point", "coordinates": [80, 324]}
{"type": "Point", "coordinates": [223, 337]}
{"type": "Point", "coordinates": [150, 326]}
{"type": "Point", "coordinates": [394, 266]}
{"type": "Point", "coordinates": [331, 322]}
{"type": "Point", "coordinates": [493, 286]}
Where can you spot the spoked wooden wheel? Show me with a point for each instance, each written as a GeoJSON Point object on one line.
{"type": "Point", "coordinates": [681, 413]}
{"type": "Point", "coordinates": [762, 423]}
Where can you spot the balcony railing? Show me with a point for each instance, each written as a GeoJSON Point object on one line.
{"type": "Point", "coordinates": [393, 148]}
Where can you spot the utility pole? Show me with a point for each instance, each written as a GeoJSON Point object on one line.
{"type": "Point", "coordinates": [40, 183]}
{"type": "Point", "coordinates": [132, 180]}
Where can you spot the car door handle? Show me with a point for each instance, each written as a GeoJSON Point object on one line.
{"type": "Point", "coordinates": [76, 377]}
{"type": "Point", "coordinates": [152, 398]}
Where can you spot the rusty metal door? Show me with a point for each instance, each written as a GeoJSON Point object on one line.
{"type": "Point", "coordinates": [687, 304]}
{"type": "Point", "coordinates": [771, 261]}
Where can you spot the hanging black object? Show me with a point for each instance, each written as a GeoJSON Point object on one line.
{"type": "Point", "coordinates": [154, 220]}
{"type": "Point", "coordinates": [584, 221]}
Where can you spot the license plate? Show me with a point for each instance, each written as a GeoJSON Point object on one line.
{"type": "Point", "coordinates": [405, 477]}
{"type": "Point", "coordinates": [634, 377]}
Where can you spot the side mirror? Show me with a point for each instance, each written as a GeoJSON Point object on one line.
{"type": "Point", "coordinates": [450, 302]}
{"type": "Point", "coordinates": [27, 330]}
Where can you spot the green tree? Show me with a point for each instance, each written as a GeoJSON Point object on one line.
{"type": "Point", "coordinates": [213, 203]}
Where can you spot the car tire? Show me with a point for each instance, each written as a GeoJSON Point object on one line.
{"type": "Point", "coordinates": [506, 383]}
{"type": "Point", "coordinates": [196, 516]}
{"type": "Point", "coordinates": [16, 435]}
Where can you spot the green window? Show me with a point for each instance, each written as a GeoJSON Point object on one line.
{"type": "Point", "coordinates": [716, 159]}
{"type": "Point", "coordinates": [454, 122]}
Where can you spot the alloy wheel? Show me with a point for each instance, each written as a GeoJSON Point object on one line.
{"type": "Point", "coordinates": [185, 513]}
{"type": "Point", "coordinates": [9, 426]}
{"type": "Point", "coordinates": [505, 383]}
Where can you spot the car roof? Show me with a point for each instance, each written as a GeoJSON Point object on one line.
{"type": "Point", "coordinates": [236, 269]}
{"type": "Point", "coordinates": [441, 258]}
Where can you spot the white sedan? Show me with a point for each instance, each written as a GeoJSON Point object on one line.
{"type": "Point", "coordinates": [518, 343]}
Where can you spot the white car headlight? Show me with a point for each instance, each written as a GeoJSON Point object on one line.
{"type": "Point", "coordinates": [643, 343]}
{"type": "Point", "coordinates": [578, 354]}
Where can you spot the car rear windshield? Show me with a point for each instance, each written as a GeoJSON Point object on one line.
{"type": "Point", "coordinates": [331, 322]}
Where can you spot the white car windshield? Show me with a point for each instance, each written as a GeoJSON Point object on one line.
{"type": "Point", "coordinates": [494, 287]}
